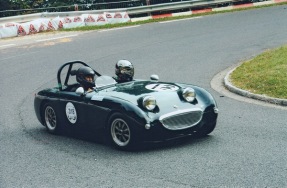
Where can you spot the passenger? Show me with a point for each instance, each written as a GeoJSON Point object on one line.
{"type": "Point", "coordinates": [86, 78]}
{"type": "Point", "coordinates": [124, 71]}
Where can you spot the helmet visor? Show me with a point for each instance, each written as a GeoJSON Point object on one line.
{"type": "Point", "coordinates": [126, 71]}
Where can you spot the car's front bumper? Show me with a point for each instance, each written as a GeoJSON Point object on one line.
{"type": "Point", "coordinates": [157, 132]}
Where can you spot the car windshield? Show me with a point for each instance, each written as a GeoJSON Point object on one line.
{"type": "Point", "coordinates": [104, 81]}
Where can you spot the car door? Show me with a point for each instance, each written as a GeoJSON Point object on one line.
{"type": "Point", "coordinates": [95, 111]}
{"type": "Point", "coordinates": [81, 112]}
{"type": "Point", "coordinates": [72, 108]}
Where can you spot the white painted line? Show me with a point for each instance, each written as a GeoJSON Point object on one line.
{"type": "Point", "coordinates": [7, 45]}
{"type": "Point", "coordinates": [43, 40]}
{"type": "Point", "coordinates": [181, 19]}
{"type": "Point", "coordinates": [119, 28]}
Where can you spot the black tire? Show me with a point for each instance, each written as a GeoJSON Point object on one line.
{"type": "Point", "coordinates": [120, 132]}
{"type": "Point", "coordinates": [50, 118]}
{"type": "Point", "coordinates": [205, 129]}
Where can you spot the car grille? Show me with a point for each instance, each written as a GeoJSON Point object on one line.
{"type": "Point", "coordinates": [181, 119]}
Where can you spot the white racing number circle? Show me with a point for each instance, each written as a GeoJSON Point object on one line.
{"type": "Point", "coordinates": [71, 112]}
{"type": "Point", "coordinates": [161, 87]}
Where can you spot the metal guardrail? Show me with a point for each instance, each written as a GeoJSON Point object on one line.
{"type": "Point", "coordinates": [176, 6]}
{"type": "Point", "coordinates": [133, 11]}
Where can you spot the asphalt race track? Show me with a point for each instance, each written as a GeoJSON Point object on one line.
{"type": "Point", "coordinates": [247, 148]}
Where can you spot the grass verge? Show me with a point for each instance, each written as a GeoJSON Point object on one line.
{"type": "Point", "coordinates": [266, 74]}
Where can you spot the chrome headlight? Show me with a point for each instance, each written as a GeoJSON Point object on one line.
{"type": "Point", "coordinates": [188, 94]}
{"type": "Point", "coordinates": [149, 102]}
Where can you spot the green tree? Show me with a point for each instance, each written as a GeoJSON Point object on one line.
{"type": "Point", "coordinates": [38, 3]}
{"type": "Point", "coordinates": [5, 5]}
{"type": "Point", "coordinates": [20, 4]}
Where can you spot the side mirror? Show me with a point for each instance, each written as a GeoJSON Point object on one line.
{"type": "Point", "coordinates": [80, 91]}
{"type": "Point", "coordinates": [154, 77]}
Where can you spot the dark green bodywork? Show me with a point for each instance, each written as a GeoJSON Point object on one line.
{"type": "Point", "coordinates": [94, 109]}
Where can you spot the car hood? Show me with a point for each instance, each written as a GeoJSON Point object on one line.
{"type": "Point", "coordinates": [166, 94]}
{"type": "Point", "coordinates": [132, 91]}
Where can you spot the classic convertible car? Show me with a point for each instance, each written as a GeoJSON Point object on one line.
{"type": "Point", "coordinates": [128, 113]}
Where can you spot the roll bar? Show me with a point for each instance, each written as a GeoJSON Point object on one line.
{"type": "Point", "coordinates": [70, 73]}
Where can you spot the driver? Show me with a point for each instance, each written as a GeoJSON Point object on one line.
{"type": "Point", "coordinates": [124, 71]}
{"type": "Point", "coordinates": [86, 78]}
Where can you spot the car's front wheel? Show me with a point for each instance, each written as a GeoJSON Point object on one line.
{"type": "Point", "coordinates": [206, 129]}
{"type": "Point", "coordinates": [120, 132]}
{"type": "Point", "coordinates": [50, 119]}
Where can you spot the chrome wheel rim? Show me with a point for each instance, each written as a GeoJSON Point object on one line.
{"type": "Point", "coordinates": [50, 118]}
{"type": "Point", "coordinates": [120, 132]}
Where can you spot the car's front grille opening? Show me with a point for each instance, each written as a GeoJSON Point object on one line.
{"type": "Point", "coordinates": [181, 119]}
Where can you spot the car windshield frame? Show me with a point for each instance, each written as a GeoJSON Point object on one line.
{"type": "Point", "coordinates": [104, 80]}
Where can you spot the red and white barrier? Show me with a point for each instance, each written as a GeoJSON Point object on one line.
{"type": "Point", "coordinates": [8, 30]}
{"type": "Point", "coordinates": [73, 22]}
{"type": "Point", "coordinates": [118, 17]}
{"type": "Point", "coordinates": [95, 19]}
{"type": "Point", "coordinates": [56, 23]}
{"type": "Point", "coordinates": [39, 25]}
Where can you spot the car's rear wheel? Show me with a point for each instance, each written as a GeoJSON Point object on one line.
{"type": "Point", "coordinates": [50, 119]}
{"type": "Point", "coordinates": [120, 132]}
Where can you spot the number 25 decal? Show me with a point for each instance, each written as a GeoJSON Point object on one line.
{"type": "Point", "coordinates": [161, 87]}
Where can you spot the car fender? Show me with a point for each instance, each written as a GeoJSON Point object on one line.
{"type": "Point", "coordinates": [127, 108]}
{"type": "Point", "coordinates": [203, 94]}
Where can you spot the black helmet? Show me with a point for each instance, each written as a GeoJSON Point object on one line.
{"type": "Point", "coordinates": [81, 77]}
{"type": "Point", "coordinates": [124, 70]}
